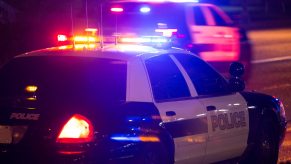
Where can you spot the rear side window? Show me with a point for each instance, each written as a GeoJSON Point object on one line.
{"type": "Point", "coordinates": [166, 79]}
{"type": "Point", "coordinates": [205, 79]}
{"type": "Point", "coordinates": [66, 78]}
{"type": "Point", "coordinates": [199, 18]}
{"type": "Point", "coordinates": [218, 18]}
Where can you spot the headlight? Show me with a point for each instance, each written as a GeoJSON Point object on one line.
{"type": "Point", "coordinates": [282, 110]}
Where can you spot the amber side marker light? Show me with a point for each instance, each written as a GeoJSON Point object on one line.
{"type": "Point", "coordinates": [31, 88]}
{"type": "Point", "coordinates": [78, 129]}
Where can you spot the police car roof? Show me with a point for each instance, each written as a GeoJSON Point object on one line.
{"type": "Point", "coordinates": [185, 2]}
{"type": "Point", "coordinates": [119, 51]}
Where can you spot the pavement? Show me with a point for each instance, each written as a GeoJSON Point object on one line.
{"type": "Point", "coordinates": [268, 23]}
{"type": "Point", "coordinates": [258, 17]}
{"type": "Point", "coordinates": [284, 152]}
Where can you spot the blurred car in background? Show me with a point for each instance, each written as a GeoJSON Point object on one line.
{"type": "Point", "coordinates": [201, 28]}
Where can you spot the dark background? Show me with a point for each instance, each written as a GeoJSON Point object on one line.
{"type": "Point", "coordinates": [27, 25]}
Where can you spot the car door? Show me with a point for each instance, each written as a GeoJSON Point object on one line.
{"type": "Point", "coordinates": [227, 113]}
{"type": "Point", "coordinates": [184, 117]}
{"type": "Point", "coordinates": [211, 32]}
{"type": "Point", "coordinates": [199, 28]}
{"type": "Point", "coordinates": [225, 35]}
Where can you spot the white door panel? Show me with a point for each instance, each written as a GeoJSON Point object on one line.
{"type": "Point", "coordinates": [190, 149]}
{"type": "Point", "coordinates": [188, 127]}
{"type": "Point", "coordinates": [228, 127]}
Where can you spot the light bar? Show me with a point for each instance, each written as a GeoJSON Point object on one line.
{"type": "Point", "coordinates": [85, 46]}
{"type": "Point", "coordinates": [174, 1]}
{"type": "Point", "coordinates": [145, 9]}
{"type": "Point", "coordinates": [85, 39]}
{"type": "Point", "coordinates": [144, 40]}
{"type": "Point", "coordinates": [166, 32]}
{"type": "Point", "coordinates": [116, 9]}
{"type": "Point", "coordinates": [91, 29]}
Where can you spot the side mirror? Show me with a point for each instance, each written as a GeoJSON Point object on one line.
{"type": "Point", "coordinates": [236, 84]}
{"type": "Point", "coordinates": [236, 70]}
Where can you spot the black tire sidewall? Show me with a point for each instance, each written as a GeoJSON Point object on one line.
{"type": "Point", "coordinates": [153, 153]}
{"type": "Point", "coordinates": [266, 147]}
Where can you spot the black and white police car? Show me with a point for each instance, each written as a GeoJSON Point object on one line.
{"type": "Point", "coordinates": [131, 104]}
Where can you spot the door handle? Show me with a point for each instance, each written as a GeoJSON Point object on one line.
{"type": "Point", "coordinates": [210, 108]}
{"type": "Point", "coordinates": [170, 113]}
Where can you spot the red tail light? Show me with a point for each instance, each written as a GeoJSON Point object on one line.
{"type": "Point", "coordinates": [77, 130]}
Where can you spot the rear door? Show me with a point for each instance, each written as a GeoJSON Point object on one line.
{"type": "Point", "coordinates": [184, 117]}
{"type": "Point", "coordinates": [212, 33]}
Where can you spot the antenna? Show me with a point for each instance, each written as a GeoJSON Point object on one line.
{"type": "Point", "coordinates": [115, 29]}
{"type": "Point", "coordinates": [87, 22]}
{"type": "Point", "coordinates": [101, 25]}
{"type": "Point", "coordinates": [72, 22]}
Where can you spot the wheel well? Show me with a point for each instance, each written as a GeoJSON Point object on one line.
{"type": "Point", "coordinates": [265, 116]}
{"type": "Point", "coordinates": [168, 142]}
{"type": "Point", "coordinates": [270, 117]}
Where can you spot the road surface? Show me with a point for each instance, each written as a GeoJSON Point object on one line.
{"type": "Point", "coordinates": [271, 73]}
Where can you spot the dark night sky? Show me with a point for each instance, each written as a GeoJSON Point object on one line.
{"type": "Point", "coordinates": [38, 22]}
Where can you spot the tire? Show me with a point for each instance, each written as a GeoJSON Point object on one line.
{"type": "Point", "coordinates": [152, 153]}
{"type": "Point", "coordinates": [267, 145]}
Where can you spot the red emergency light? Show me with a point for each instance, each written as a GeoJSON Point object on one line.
{"type": "Point", "coordinates": [62, 38]}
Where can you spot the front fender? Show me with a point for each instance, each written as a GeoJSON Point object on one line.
{"type": "Point", "coordinates": [264, 107]}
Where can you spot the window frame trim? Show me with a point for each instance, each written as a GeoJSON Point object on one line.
{"type": "Point", "coordinates": [191, 87]}
{"type": "Point", "coordinates": [183, 75]}
{"type": "Point", "coordinates": [197, 94]}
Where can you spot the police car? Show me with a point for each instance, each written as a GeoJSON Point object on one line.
{"type": "Point", "coordinates": [202, 28]}
{"type": "Point", "coordinates": [131, 103]}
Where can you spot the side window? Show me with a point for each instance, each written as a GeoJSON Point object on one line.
{"type": "Point", "coordinates": [205, 79]}
{"type": "Point", "coordinates": [166, 79]}
{"type": "Point", "coordinates": [199, 18]}
{"type": "Point", "coordinates": [218, 18]}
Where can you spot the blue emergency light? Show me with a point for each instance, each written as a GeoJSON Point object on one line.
{"type": "Point", "coordinates": [145, 9]}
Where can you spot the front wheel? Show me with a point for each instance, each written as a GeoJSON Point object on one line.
{"type": "Point", "coordinates": [267, 146]}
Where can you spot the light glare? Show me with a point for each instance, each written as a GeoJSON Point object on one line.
{"type": "Point", "coordinates": [116, 9]}
{"type": "Point", "coordinates": [145, 9]}
{"type": "Point", "coordinates": [85, 39]}
{"type": "Point", "coordinates": [62, 38]}
{"type": "Point", "coordinates": [31, 88]}
{"type": "Point", "coordinates": [75, 128]}
{"type": "Point", "coordinates": [174, 1]}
